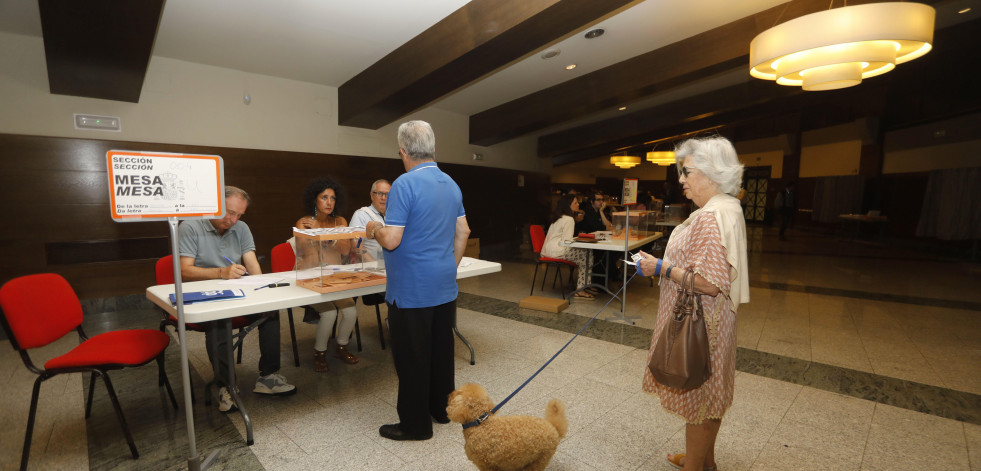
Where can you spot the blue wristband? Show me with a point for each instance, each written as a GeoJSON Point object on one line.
{"type": "Point", "coordinates": [657, 269]}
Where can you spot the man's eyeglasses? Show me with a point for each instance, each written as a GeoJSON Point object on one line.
{"type": "Point", "coordinates": [380, 194]}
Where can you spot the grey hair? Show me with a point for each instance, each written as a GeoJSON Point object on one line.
{"type": "Point", "coordinates": [380, 180]}
{"type": "Point", "coordinates": [416, 138]}
{"type": "Point", "coordinates": [234, 190]}
{"type": "Point", "coordinates": [716, 159]}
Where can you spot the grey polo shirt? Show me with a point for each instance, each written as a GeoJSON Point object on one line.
{"type": "Point", "coordinates": [199, 239]}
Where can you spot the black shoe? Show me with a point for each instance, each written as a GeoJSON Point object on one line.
{"type": "Point", "coordinates": [393, 432]}
{"type": "Point", "coordinates": [441, 420]}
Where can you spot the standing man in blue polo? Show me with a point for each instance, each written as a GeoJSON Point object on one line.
{"type": "Point", "coordinates": [424, 236]}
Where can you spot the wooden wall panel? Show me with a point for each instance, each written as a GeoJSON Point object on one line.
{"type": "Point", "coordinates": [56, 195]}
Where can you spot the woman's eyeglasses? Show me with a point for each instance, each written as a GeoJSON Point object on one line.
{"type": "Point", "coordinates": [685, 171]}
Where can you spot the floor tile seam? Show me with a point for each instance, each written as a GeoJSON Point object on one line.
{"type": "Point", "coordinates": [868, 295]}
{"type": "Point", "coordinates": [930, 364]}
{"type": "Point", "coordinates": [868, 434]}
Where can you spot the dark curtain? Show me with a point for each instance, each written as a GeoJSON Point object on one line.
{"type": "Point", "coordinates": [951, 208]}
{"type": "Point", "coordinates": [834, 196]}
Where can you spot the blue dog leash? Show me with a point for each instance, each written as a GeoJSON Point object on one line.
{"type": "Point", "coordinates": [485, 415]}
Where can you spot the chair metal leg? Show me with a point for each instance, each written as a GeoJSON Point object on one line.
{"type": "Point", "coordinates": [119, 414]}
{"type": "Point", "coordinates": [381, 331]}
{"type": "Point", "coordinates": [241, 336]}
{"type": "Point", "coordinates": [558, 274]}
{"type": "Point", "coordinates": [545, 276]}
{"type": "Point", "coordinates": [296, 353]}
{"type": "Point", "coordinates": [533, 278]}
{"type": "Point", "coordinates": [163, 381]}
{"type": "Point", "coordinates": [357, 333]}
{"type": "Point", "coordinates": [30, 424]}
{"type": "Point", "coordinates": [88, 402]}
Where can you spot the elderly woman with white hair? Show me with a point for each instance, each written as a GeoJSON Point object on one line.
{"type": "Point", "coordinates": [711, 243]}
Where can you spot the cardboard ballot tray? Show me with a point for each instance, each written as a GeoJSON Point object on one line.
{"type": "Point", "coordinates": [340, 281]}
{"type": "Point", "coordinates": [539, 303]}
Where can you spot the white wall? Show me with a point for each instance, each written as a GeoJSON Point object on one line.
{"type": "Point", "coordinates": [194, 104]}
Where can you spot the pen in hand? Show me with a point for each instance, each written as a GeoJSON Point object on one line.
{"type": "Point", "coordinates": [233, 263]}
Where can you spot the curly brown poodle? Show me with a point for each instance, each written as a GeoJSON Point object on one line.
{"type": "Point", "coordinates": [506, 443]}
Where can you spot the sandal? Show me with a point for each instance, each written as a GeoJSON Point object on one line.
{"type": "Point", "coordinates": [320, 361]}
{"type": "Point", "coordinates": [345, 356]}
{"type": "Point", "coordinates": [584, 296]}
{"type": "Point", "coordinates": [675, 460]}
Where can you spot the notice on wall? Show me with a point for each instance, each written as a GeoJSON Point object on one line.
{"type": "Point", "coordinates": [147, 186]}
{"type": "Point", "coordinates": [629, 191]}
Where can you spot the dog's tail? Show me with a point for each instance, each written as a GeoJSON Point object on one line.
{"type": "Point", "coordinates": [555, 415]}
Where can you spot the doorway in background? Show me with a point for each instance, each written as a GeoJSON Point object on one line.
{"type": "Point", "coordinates": [757, 181]}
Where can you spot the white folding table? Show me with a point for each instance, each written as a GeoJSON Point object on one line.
{"type": "Point", "coordinates": [274, 299]}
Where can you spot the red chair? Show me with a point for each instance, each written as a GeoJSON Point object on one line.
{"type": "Point", "coordinates": [537, 242]}
{"type": "Point", "coordinates": [40, 309]}
{"type": "Point", "coordinates": [165, 276]}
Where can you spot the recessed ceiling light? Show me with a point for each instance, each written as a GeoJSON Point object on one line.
{"type": "Point", "coordinates": [551, 53]}
{"type": "Point", "coordinates": [570, 67]}
{"type": "Point", "coordinates": [965, 10]}
{"type": "Point", "coordinates": [594, 33]}
{"type": "Point", "coordinates": [623, 108]}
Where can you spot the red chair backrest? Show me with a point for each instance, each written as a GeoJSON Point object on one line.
{"type": "Point", "coordinates": [39, 309]}
{"type": "Point", "coordinates": [165, 270]}
{"type": "Point", "coordinates": [537, 238]}
{"type": "Point", "coordinates": [282, 258]}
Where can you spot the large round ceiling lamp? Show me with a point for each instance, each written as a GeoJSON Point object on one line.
{"type": "Point", "coordinates": [838, 48]}
{"type": "Point", "coordinates": [625, 161]}
{"type": "Point", "coordinates": [661, 157]}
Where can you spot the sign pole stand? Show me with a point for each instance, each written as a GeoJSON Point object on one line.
{"type": "Point", "coordinates": [629, 198]}
{"type": "Point", "coordinates": [194, 463]}
{"type": "Point", "coordinates": [158, 186]}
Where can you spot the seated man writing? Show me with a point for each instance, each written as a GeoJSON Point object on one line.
{"type": "Point", "coordinates": [224, 249]}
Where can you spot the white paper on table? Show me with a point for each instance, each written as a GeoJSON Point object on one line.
{"type": "Point", "coordinates": [252, 281]}
{"type": "Point", "coordinates": [467, 261]}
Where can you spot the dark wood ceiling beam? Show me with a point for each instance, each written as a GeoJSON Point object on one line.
{"type": "Point", "coordinates": [657, 71]}
{"type": "Point", "coordinates": [926, 89]}
{"type": "Point", "coordinates": [471, 42]}
{"type": "Point", "coordinates": [99, 48]}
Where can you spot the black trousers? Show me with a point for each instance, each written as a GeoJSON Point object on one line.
{"type": "Point", "coordinates": [422, 348]}
{"type": "Point", "coordinates": [786, 216]}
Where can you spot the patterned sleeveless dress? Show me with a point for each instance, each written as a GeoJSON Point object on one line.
{"type": "Point", "coordinates": [698, 246]}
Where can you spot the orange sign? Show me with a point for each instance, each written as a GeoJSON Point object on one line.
{"type": "Point", "coordinates": [148, 186]}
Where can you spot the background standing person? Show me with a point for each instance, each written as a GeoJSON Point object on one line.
{"type": "Point", "coordinates": [424, 238]}
{"type": "Point", "coordinates": [321, 200]}
{"type": "Point", "coordinates": [786, 204]}
{"type": "Point", "coordinates": [712, 244]}
{"type": "Point", "coordinates": [206, 246]}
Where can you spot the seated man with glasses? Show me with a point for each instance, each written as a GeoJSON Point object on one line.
{"type": "Point", "coordinates": [373, 212]}
{"type": "Point", "coordinates": [594, 219]}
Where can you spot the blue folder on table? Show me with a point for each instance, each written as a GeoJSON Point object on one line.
{"type": "Point", "coordinates": [191, 297]}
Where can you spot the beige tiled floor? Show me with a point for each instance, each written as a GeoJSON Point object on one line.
{"type": "Point", "coordinates": [773, 425]}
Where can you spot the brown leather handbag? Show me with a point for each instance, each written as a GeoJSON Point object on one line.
{"type": "Point", "coordinates": [681, 354]}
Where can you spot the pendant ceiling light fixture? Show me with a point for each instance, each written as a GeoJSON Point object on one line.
{"type": "Point", "coordinates": [661, 157]}
{"type": "Point", "coordinates": [625, 161]}
{"type": "Point", "coordinates": [837, 48]}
